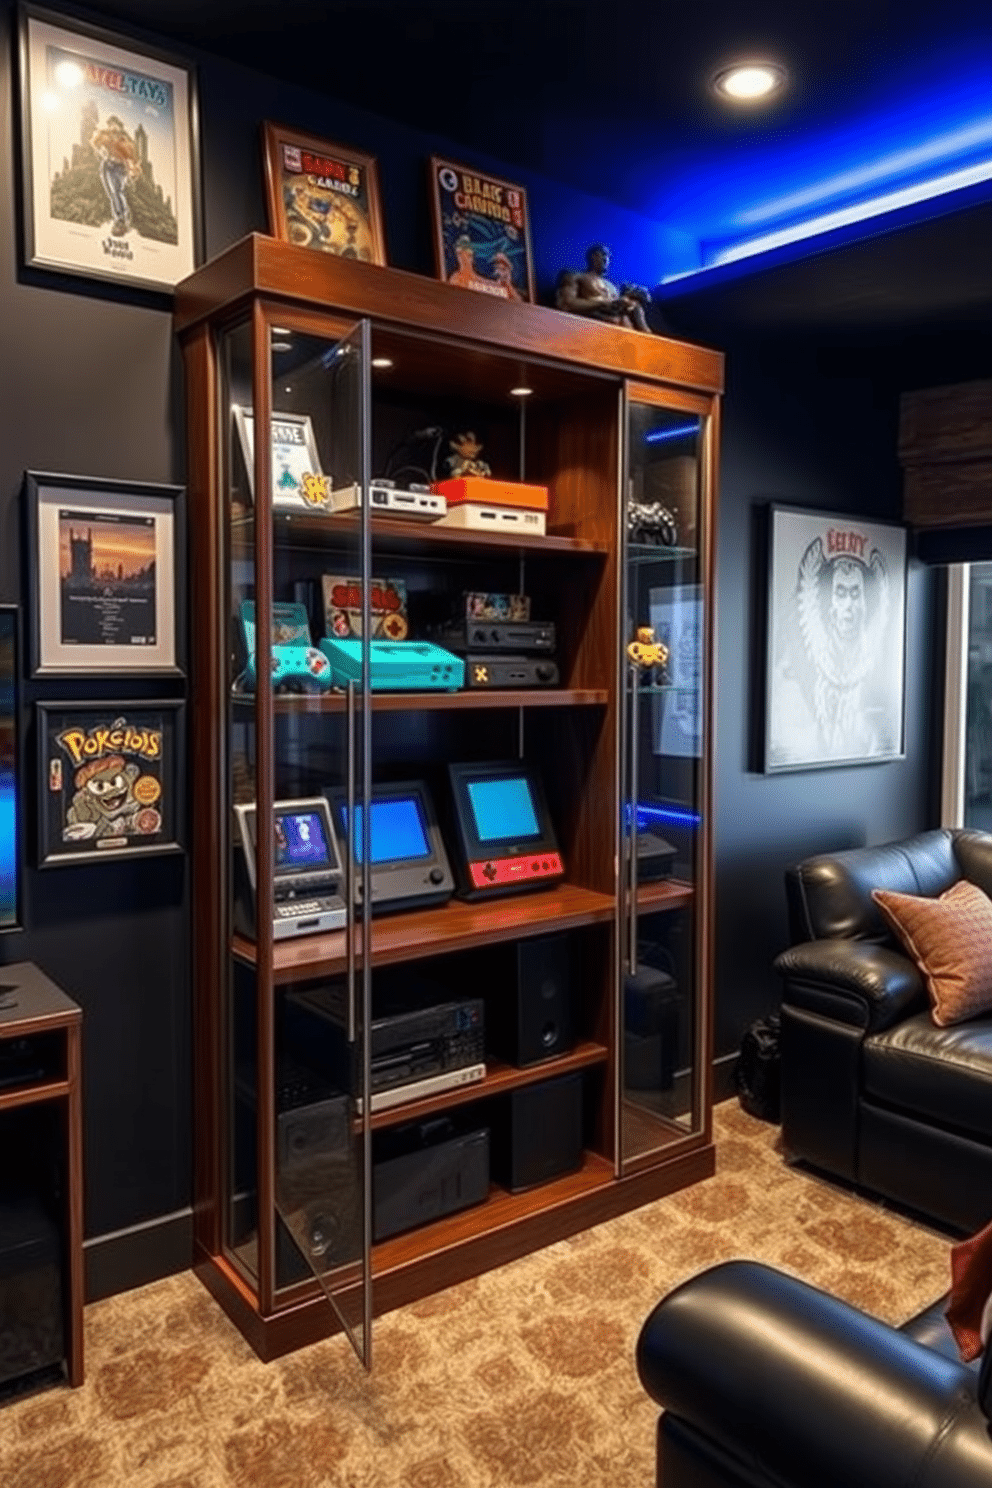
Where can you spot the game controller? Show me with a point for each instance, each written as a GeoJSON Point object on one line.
{"type": "Point", "coordinates": [294, 669]}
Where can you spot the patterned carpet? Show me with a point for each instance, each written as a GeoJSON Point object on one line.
{"type": "Point", "coordinates": [523, 1378]}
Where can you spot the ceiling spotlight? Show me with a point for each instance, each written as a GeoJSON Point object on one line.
{"type": "Point", "coordinates": [521, 392]}
{"type": "Point", "coordinates": [382, 362]}
{"type": "Point", "coordinates": [748, 82]}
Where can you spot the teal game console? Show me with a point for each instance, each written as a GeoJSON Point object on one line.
{"type": "Point", "coordinates": [395, 666]}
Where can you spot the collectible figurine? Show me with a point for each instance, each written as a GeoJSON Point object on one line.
{"type": "Point", "coordinates": [464, 461]}
{"type": "Point", "coordinates": [592, 294]}
{"type": "Point", "coordinates": [648, 655]}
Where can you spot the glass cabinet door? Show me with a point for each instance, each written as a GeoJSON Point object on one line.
{"type": "Point", "coordinates": [298, 1160]}
{"type": "Point", "coordinates": [663, 792]}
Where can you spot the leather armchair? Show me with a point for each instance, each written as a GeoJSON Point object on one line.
{"type": "Point", "coordinates": [767, 1383]}
{"type": "Point", "coordinates": [873, 1091]}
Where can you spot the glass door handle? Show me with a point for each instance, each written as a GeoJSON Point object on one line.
{"type": "Point", "coordinates": [349, 859]}
{"type": "Point", "coordinates": [635, 706]}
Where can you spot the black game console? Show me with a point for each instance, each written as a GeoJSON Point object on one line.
{"type": "Point", "coordinates": [425, 1170]}
{"type": "Point", "coordinates": [509, 671]}
{"type": "Point", "coordinates": [498, 635]}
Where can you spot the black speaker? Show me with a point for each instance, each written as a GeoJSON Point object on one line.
{"type": "Point", "coordinates": [531, 1019]}
{"type": "Point", "coordinates": [651, 1029]}
{"type": "Point", "coordinates": [538, 1135]}
{"type": "Point", "coordinates": [318, 1184]}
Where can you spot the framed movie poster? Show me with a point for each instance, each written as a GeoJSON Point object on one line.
{"type": "Point", "coordinates": [106, 560]}
{"type": "Point", "coordinates": [836, 643]}
{"type": "Point", "coordinates": [322, 195]}
{"type": "Point", "coordinates": [481, 232]}
{"type": "Point", "coordinates": [110, 780]}
{"type": "Point", "coordinates": [298, 484]}
{"type": "Point", "coordinates": [110, 158]}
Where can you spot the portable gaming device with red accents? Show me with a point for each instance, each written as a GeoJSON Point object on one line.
{"type": "Point", "coordinates": [505, 840]}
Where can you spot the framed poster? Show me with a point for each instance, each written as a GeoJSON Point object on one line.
{"type": "Point", "coordinates": [322, 195]}
{"type": "Point", "coordinates": [677, 620]}
{"type": "Point", "coordinates": [110, 173]}
{"type": "Point", "coordinates": [106, 559]}
{"type": "Point", "coordinates": [836, 642]}
{"type": "Point", "coordinates": [298, 483]}
{"type": "Point", "coordinates": [110, 780]}
{"type": "Point", "coordinates": [481, 232]}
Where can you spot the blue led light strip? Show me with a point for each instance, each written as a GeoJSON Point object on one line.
{"type": "Point", "coordinates": [667, 814]}
{"type": "Point", "coordinates": [657, 436]}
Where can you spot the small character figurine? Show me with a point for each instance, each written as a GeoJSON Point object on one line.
{"type": "Point", "coordinates": [649, 655]}
{"type": "Point", "coordinates": [465, 460]}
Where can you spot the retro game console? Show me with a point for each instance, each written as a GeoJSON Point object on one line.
{"type": "Point", "coordinates": [390, 500]}
{"type": "Point", "coordinates": [394, 666]}
{"type": "Point", "coordinates": [297, 665]}
{"type": "Point", "coordinates": [518, 636]}
{"type": "Point", "coordinates": [505, 837]}
{"type": "Point", "coordinates": [477, 516]}
{"type": "Point", "coordinates": [510, 671]}
{"type": "Point", "coordinates": [408, 864]}
{"type": "Point", "coordinates": [307, 871]}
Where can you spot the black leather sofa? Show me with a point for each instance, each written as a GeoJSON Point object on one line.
{"type": "Point", "coordinates": [873, 1091]}
{"type": "Point", "coordinates": [769, 1383]}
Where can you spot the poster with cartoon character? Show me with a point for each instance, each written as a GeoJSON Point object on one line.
{"type": "Point", "coordinates": [110, 780]}
{"type": "Point", "coordinates": [110, 170]}
{"type": "Point", "coordinates": [481, 232]}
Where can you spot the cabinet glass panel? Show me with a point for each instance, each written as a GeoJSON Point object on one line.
{"type": "Point", "coordinates": [298, 747]}
{"type": "Point", "coordinates": [662, 765]}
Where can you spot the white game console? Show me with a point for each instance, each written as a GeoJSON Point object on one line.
{"type": "Point", "coordinates": [418, 502]}
{"type": "Point", "coordinates": [479, 516]}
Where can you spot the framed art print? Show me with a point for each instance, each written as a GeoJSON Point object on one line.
{"type": "Point", "coordinates": [322, 195]}
{"type": "Point", "coordinates": [110, 780]}
{"type": "Point", "coordinates": [298, 483]}
{"type": "Point", "coordinates": [110, 172]}
{"type": "Point", "coordinates": [105, 559]}
{"type": "Point", "coordinates": [481, 232]}
{"type": "Point", "coordinates": [836, 648]}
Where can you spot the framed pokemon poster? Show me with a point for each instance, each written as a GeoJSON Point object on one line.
{"type": "Point", "coordinates": [110, 172]}
{"type": "Point", "coordinates": [323, 196]}
{"type": "Point", "coordinates": [110, 780]}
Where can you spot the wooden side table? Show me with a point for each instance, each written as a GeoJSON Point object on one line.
{"type": "Point", "coordinates": [32, 1007]}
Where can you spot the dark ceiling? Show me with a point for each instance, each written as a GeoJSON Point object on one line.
{"type": "Point", "coordinates": [612, 98]}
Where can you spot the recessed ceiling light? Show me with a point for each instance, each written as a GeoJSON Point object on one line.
{"type": "Point", "coordinates": [521, 392]}
{"type": "Point", "coordinates": [382, 362]}
{"type": "Point", "coordinates": [749, 82]}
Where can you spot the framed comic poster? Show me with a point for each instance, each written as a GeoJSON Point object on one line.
{"type": "Point", "coordinates": [481, 232]}
{"type": "Point", "coordinates": [322, 195]}
{"type": "Point", "coordinates": [106, 559]}
{"type": "Point", "coordinates": [836, 642]}
{"type": "Point", "coordinates": [110, 171]}
{"type": "Point", "coordinates": [110, 780]}
{"type": "Point", "coordinates": [298, 484]}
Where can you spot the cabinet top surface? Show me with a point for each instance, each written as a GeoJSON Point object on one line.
{"type": "Point", "coordinates": [28, 996]}
{"type": "Point", "coordinates": [264, 266]}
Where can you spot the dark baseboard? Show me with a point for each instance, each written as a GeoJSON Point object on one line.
{"type": "Point", "coordinates": [140, 1254]}
{"type": "Point", "coordinates": [723, 1077]}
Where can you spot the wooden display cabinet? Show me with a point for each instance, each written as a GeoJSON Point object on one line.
{"type": "Point", "coordinates": [366, 359]}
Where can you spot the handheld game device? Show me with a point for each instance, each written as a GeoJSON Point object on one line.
{"type": "Point", "coordinates": [505, 837]}
{"type": "Point", "coordinates": [408, 864]}
{"type": "Point", "coordinates": [307, 871]}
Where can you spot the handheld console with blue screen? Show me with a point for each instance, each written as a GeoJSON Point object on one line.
{"type": "Point", "coordinates": [408, 866]}
{"type": "Point", "coordinates": [306, 871]}
{"type": "Point", "coordinates": [506, 840]}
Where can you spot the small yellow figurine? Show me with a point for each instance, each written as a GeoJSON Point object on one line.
{"type": "Point", "coordinates": [646, 652]}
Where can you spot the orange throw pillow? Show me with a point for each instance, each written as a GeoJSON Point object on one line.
{"type": "Point", "coordinates": [950, 939]}
{"type": "Point", "coordinates": [967, 1310]}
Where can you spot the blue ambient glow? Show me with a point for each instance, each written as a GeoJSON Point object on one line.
{"type": "Point", "coordinates": [658, 436]}
{"type": "Point", "coordinates": [670, 814]}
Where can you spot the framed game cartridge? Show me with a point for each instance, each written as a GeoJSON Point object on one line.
{"type": "Point", "coordinates": [323, 196]}
{"type": "Point", "coordinates": [110, 780]}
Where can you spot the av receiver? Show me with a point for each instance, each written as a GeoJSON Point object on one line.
{"type": "Point", "coordinates": [510, 671]}
{"type": "Point", "coordinates": [498, 635]}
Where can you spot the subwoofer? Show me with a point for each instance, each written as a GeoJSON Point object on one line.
{"type": "Point", "coordinates": [532, 1019]}
{"type": "Point", "coordinates": [539, 1134]}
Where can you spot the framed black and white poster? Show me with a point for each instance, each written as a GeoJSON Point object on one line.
{"type": "Point", "coordinates": [836, 640]}
{"type": "Point", "coordinates": [105, 575]}
{"type": "Point", "coordinates": [110, 169]}
{"type": "Point", "coordinates": [110, 780]}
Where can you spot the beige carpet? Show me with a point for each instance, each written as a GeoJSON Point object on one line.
{"type": "Point", "coordinates": [522, 1377]}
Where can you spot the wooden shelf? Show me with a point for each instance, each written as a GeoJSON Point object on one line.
{"type": "Point", "coordinates": [666, 893]}
{"type": "Point", "coordinates": [501, 1210]}
{"type": "Point", "coordinates": [499, 1079]}
{"type": "Point", "coordinates": [33, 1095]}
{"type": "Point", "coordinates": [454, 926]}
{"type": "Point", "coordinates": [395, 535]}
{"type": "Point", "coordinates": [438, 702]}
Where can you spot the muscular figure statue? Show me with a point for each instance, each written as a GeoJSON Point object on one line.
{"type": "Point", "coordinates": [592, 294]}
